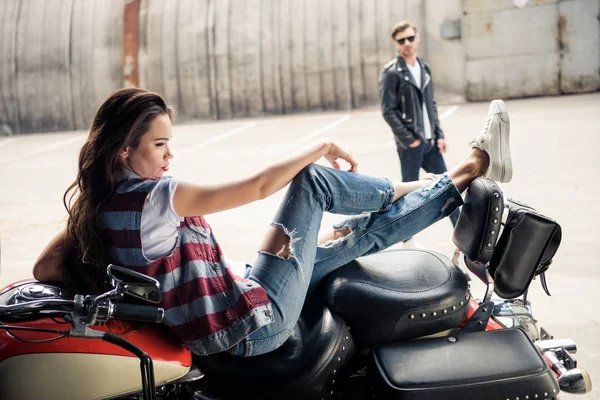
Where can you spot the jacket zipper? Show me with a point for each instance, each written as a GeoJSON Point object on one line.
{"type": "Point", "coordinates": [426, 82]}
{"type": "Point", "coordinates": [415, 115]}
{"type": "Point", "coordinates": [403, 108]}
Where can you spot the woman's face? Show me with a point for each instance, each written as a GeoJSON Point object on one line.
{"type": "Point", "coordinates": [151, 157]}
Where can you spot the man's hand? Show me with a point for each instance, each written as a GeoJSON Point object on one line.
{"type": "Point", "coordinates": [442, 145]}
{"type": "Point", "coordinates": [416, 143]}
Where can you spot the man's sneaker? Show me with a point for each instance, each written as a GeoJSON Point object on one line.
{"type": "Point", "coordinates": [494, 140]}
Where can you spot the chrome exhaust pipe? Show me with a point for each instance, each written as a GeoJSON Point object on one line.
{"type": "Point", "coordinates": [575, 381]}
{"type": "Point", "coordinates": [566, 344]}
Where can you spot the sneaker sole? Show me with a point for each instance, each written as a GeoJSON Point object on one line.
{"type": "Point", "coordinates": [507, 170]}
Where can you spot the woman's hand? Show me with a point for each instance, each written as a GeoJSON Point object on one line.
{"type": "Point", "coordinates": [336, 152]}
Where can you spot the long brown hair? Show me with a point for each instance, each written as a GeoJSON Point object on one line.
{"type": "Point", "coordinates": [122, 120]}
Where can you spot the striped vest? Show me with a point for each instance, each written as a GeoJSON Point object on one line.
{"type": "Point", "coordinates": [206, 305]}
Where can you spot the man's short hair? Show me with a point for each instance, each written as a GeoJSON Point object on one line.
{"type": "Point", "coordinates": [401, 27]}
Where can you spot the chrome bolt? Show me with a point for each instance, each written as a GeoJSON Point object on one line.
{"type": "Point", "coordinates": [452, 339]}
{"type": "Point", "coordinates": [423, 315]}
{"type": "Point", "coordinates": [496, 209]}
{"type": "Point", "coordinates": [454, 307]}
{"type": "Point", "coordinates": [411, 316]}
{"type": "Point", "coordinates": [492, 233]}
{"type": "Point", "coordinates": [495, 221]}
{"type": "Point", "coordinates": [445, 311]}
{"type": "Point", "coordinates": [496, 195]}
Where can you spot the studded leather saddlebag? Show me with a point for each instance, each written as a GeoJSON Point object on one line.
{"type": "Point", "coordinates": [491, 365]}
{"type": "Point", "coordinates": [525, 249]}
{"type": "Point", "coordinates": [477, 229]}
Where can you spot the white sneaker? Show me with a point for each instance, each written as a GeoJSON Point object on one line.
{"type": "Point", "coordinates": [494, 140]}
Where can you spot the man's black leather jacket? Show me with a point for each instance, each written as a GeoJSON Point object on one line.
{"type": "Point", "coordinates": [401, 102]}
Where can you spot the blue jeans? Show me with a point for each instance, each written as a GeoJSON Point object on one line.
{"type": "Point", "coordinates": [426, 156]}
{"type": "Point", "coordinates": [377, 224]}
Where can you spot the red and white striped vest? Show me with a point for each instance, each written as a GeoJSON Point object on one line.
{"type": "Point", "coordinates": [206, 305]}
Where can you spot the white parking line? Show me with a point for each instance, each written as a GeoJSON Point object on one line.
{"type": "Point", "coordinates": [4, 142]}
{"type": "Point", "coordinates": [324, 129]}
{"type": "Point", "coordinates": [307, 137]}
{"type": "Point", "coordinates": [19, 157]}
{"type": "Point", "coordinates": [218, 138]}
{"type": "Point", "coordinates": [448, 112]}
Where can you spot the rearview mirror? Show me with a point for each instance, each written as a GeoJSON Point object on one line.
{"type": "Point", "coordinates": [134, 284]}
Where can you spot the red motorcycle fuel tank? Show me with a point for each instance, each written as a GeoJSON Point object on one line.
{"type": "Point", "coordinates": [75, 368]}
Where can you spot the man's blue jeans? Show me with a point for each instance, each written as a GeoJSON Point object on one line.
{"type": "Point", "coordinates": [426, 156]}
{"type": "Point", "coordinates": [377, 224]}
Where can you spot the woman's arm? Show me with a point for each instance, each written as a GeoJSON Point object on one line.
{"type": "Point", "coordinates": [191, 199]}
{"type": "Point", "coordinates": [48, 266]}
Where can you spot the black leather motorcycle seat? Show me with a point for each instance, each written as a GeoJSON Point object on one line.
{"type": "Point", "coordinates": [304, 367]}
{"type": "Point", "coordinates": [398, 295]}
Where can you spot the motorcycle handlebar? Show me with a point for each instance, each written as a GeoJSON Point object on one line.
{"type": "Point", "coordinates": [134, 312]}
{"type": "Point", "coordinates": [38, 305]}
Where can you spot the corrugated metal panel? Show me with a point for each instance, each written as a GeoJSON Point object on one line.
{"type": "Point", "coordinates": [43, 66]}
{"type": "Point", "coordinates": [96, 56]}
{"type": "Point", "coordinates": [9, 101]}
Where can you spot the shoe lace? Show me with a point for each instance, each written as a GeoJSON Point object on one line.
{"type": "Point", "coordinates": [488, 122]}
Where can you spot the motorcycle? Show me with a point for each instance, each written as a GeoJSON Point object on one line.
{"type": "Point", "coordinates": [400, 324]}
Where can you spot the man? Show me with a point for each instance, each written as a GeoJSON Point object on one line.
{"type": "Point", "coordinates": [409, 107]}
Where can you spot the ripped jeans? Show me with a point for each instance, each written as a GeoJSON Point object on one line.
{"type": "Point", "coordinates": [376, 224]}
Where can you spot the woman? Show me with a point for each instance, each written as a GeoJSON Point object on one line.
{"type": "Point", "coordinates": [129, 213]}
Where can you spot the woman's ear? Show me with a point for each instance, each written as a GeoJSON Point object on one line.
{"type": "Point", "coordinates": [124, 153]}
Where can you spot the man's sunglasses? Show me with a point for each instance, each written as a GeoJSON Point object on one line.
{"type": "Point", "coordinates": [409, 38]}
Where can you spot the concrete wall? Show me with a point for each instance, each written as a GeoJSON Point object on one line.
{"type": "Point", "coordinates": [212, 59]}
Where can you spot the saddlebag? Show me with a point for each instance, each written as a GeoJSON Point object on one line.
{"type": "Point", "coordinates": [478, 226]}
{"type": "Point", "coordinates": [512, 240]}
{"type": "Point", "coordinates": [525, 249]}
{"type": "Point", "coordinates": [501, 364]}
